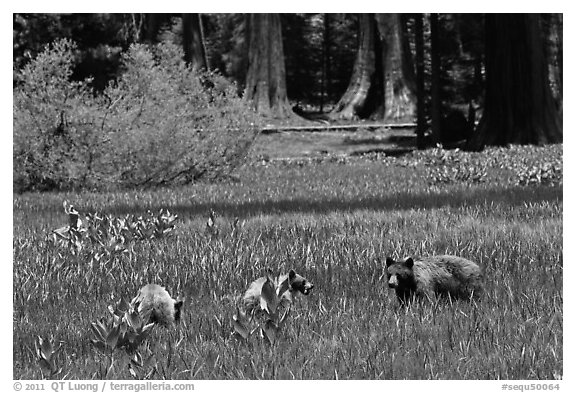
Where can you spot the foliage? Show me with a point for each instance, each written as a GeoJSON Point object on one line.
{"type": "Point", "coordinates": [271, 313]}
{"type": "Point", "coordinates": [54, 144]}
{"type": "Point", "coordinates": [334, 222]}
{"type": "Point", "coordinates": [549, 174]}
{"type": "Point", "coordinates": [526, 165]}
{"type": "Point", "coordinates": [46, 352]}
{"type": "Point", "coordinates": [106, 236]}
{"type": "Point", "coordinates": [99, 37]}
{"type": "Point", "coordinates": [159, 123]}
{"type": "Point", "coordinates": [313, 54]}
{"type": "Point", "coordinates": [226, 38]}
{"type": "Point", "coordinates": [126, 329]}
{"type": "Point", "coordinates": [102, 240]}
{"type": "Point", "coordinates": [176, 127]}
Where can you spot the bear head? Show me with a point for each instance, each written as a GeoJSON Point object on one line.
{"type": "Point", "coordinates": [299, 283]}
{"type": "Point", "coordinates": [400, 274]}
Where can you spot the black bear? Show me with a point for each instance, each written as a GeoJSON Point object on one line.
{"type": "Point", "coordinates": [435, 275]}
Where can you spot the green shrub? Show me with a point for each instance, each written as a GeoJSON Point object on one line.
{"type": "Point", "coordinates": [54, 120]}
{"type": "Point", "coordinates": [159, 123]}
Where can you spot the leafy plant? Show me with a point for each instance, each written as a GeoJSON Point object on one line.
{"type": "Point", "coordinates": [46, 351]}
{"type": "Point", "coordinates": [126, 329]}
{"type": "Point", "coordinates": [270, 315]}
{"type": "Point", "coordinates": [547, 174]}
{"type": "Point", "coordinates": [159, 123]}
{"type": "Point", "coordinates": [211, 226]}
{"type": "Point", "coordinates": [106, 235]}
{"type": "Point", "coordinates": [464, 174]}
{"type": "Point", "coordinates": [142, 367]}
{"type": "Point", "coordinates": [55, 119]}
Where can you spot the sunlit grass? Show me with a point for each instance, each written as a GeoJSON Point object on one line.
{"type": "Point", "coordinates": [335, 224]}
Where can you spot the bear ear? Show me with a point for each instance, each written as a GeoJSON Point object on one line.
{"type": "Point", "coordinates": [291, 275]}
{"type": "Point", "coordinates": [409, 262]}
{"type": "Point", "coordinates": [389, 261]}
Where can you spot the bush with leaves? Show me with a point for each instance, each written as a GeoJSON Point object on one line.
{"type": "Point", "coordinates": [56, 142]}
{"type": "Point", "coordinates": [100, 235]}
{"type": "Point", "coordinates": [127, 329]}
{"type": "Point", "coordinates": [546, 174]}
{"type": "Point", "coordinates": [176, 125]}
{"type": "Point", "coordinates": [159, 123]}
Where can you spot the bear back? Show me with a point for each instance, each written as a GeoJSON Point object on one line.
{"type": "Point", "coordinates": [157, 301]}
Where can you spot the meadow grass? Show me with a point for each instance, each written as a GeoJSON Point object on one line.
{"type": "Point", "coordinates": [333, 222]}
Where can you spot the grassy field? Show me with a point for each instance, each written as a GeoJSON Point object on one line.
{"type": "Point", "coordinates": [334, 220]}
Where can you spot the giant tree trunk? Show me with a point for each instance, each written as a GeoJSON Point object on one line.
{"type": "Point", "coordinates": [560, 60]}
{"type": "Point", "coordinates": [436, 107]}
{"type": "Point", "coordinates": [399, 99]}
{"type": "Point", "coordinates": [352, 103]}
{"type": "Point", "coordinates": [266, 79]}
{"type": "Point", "coordinates": [553, 24]}
{"type": "Point", "coordinates": [326, 75]}
{"type": "Point", "coordinates": [519, 107]}
{"type": "Point", "coordinates": [420, 93]}
{"type": "Point", "coordinates": [381, 86]}
{"type": "Point", "coordinates": [193, 41]}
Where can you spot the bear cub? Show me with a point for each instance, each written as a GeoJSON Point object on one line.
{"type": "Point", "coordinates": [443, 275]}
{"type": "Point", "coordinates": [157, 301]}
{"type": "Point", "coordinates": [286, 286]}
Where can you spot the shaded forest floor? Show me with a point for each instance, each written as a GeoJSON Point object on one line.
{"type": "Point", "coordinates": [364, 140]}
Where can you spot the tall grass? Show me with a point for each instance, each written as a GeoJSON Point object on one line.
{"type": "Point", "coordinates": [333, 223]}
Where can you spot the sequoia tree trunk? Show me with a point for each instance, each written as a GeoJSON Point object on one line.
{"type": "Point", "coordinates": [382, 82]}
{"type": "Point", "coordinates": [519, 107]}
{"type": "Point", "coordinates": [420, 93]}
{"type": "Point", "coordinates": [560, 60]}
{"type": "Point", "coordinates": [266, 79]}
{"type": "Point", "coordinates": [554, 55]}
{"type": "Point", "coordinates": [326, 75]}
{"type": "Point", "coordinates": [352, 103]}
{"type": "Point", "coordinates": [436, 106]}
{"type": "Point", "coordinates": [193, 41]}
{"type": "Point", "coordinates": [399, 89]}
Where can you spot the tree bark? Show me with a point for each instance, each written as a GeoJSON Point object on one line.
{"type": "Point", "coordinates": [266, 79]}
{"type": "Point", "coordinates": [399, 100]}
{"type": "Point", "coordinates": [560, 21]}
{"type": "Point", "coordinates": [519, 107]}
{"type": "Point", "coordinates": [381, 86]}
{"type": "Point", "coordinates": [420, 93]}
{"type": "Point", "coordinates": [326, 75]}
{"type": "Point", "coordinates": [193, 41]}
{"type": "Point", "coordinates": [352, 103]}
{"type": "Point", "coordinates": [149, 26]}
{"type": "Point", "coordinates": [554, 55]}
{"type": "Point", "coordinates": [436, 106]}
